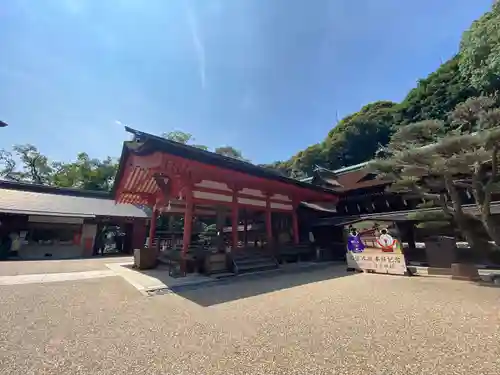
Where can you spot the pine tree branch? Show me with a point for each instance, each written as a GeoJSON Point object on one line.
{"type": "Point", "coordinates": [463, 184]}
{"type": "Point", "coordinates": [488, 187]}
{"type": "Point", "coordinates": [454, 195]}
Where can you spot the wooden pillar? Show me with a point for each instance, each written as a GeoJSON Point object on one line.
{"type": "Point", "coordinates": [171, 220]}
{"type": "Point", "coordinates": [152, 227]}
{"type": "Point", "coordinates": [234, 220]}
{"type": "Point", "coordinates": [295, 225]}
{"type": "Point", "coordinates": [220, 223]}
{"type": "Point", "coordinates": [139, 231]}
{"type": "Point", "coordinates": [234, 227]}
{"type": "Point", "coordinates": [245, 227]}
{"type": "Point", "coordinates": [269, 224]}
{"type": "Point", "coordinates": [188, 222]}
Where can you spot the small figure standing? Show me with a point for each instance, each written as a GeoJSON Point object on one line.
{"type": "Point", "coordinates": [354, 243]}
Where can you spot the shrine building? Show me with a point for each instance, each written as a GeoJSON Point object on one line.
{"type": "Point", "coordinates": [177, 179]}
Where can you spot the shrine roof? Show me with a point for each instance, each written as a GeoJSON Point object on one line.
{"type": "Point", "coordinates": [31, 199]}
{"type": "Point", "coordinates": [146, 144]}
{"type": "Point", "coordinates": [346, 179]}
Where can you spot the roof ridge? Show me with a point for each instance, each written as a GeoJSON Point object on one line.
{"type": "Point", "coordinates": [39, 188]}
{"type": "Point", "coordinates": [232, 163]}
{"type": "Point", "coordinates": [179, 144]}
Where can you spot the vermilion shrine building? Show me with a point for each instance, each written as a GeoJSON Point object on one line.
{"type": "Point", "coordinates": [172, 177]}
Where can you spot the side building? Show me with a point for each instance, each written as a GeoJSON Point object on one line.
{"type": "Point", "coordinates": [57, 223]}
{"type": "Point", "coordinates": [363, 195]}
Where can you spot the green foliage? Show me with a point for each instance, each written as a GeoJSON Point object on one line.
{"type": "Point", "coordinates": [425, 159]}
{"type": "Point", "coordinates": [178, 136]}
{"type": "Point", "coordinates": [84, 173]}
{"type": "Point", "coordinates": [357, 137]}
{"type": "Point", "coordinates": [229, 152]}
{"type": "Point", "coordinates": [7, 165]}
{"type": "Point", "coordinates": [435, 96]}
{"type": "Point", "coordinates": [35, 166]}
{"type": "Point", "coordinates": [282, 167]}
{"type": "Point", "coordinates": [187, 139]}
{"type": "Point", "coordinates": [431, 219]}
{"type": "Point", "coordinates": [480, 51]}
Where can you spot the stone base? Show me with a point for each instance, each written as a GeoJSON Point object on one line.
{"type": "Point", "coordinates": [145, 258]}
{"type": "Point", "coordinates": [464, 271]}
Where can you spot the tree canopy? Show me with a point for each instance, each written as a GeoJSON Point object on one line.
{"type": "Point", "coordinates": [357, 137]}
{"type": "Point", "coordinates": [229, 152]}
{"type": "Point", "coordinates": [480, 51]}
{"type": "Point", "coordinates": [25, 163]}
{"type": "Point", "coordinates": [429, 160]}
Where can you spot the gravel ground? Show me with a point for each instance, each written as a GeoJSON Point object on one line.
{"type": "Point", "coordinates": [359, 324]}
{"type": "Point", "coordinates": [29, 267]}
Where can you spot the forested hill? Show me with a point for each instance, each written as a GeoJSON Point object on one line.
{"type": "Point", "coordinates": [355, 139]}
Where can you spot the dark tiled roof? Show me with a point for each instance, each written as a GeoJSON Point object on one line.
{"type": "Point", "coordinates": [403, 215]}
{"type": "Point", "coordinates": [30, 199]}
{"type": "Point", "coordinates": [348, 179]}
{"type": "Point", "coordinates": [151, 143]}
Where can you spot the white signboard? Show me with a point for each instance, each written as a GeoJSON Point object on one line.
{"type": "Point", "coordinates": [375, 246]}
{"type": "Point", "coordinates": [380, 263]}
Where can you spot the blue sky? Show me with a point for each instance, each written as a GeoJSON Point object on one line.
{"type": "Point", "coordinates": [265, 76]}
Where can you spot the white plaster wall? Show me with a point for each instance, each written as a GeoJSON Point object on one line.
{"type": "Point", "coordinates": [213, 185]}
{"type": "Point", "coordinates": [281, 197]}
{"type": "Point", "coordinates": [281, 206]}
{"type": "Point", "coordinates": [212, 196]}
{"type": "Point", "coordinates": [254, 192]}
{"type": "Point", "coordinates": [253, 202]}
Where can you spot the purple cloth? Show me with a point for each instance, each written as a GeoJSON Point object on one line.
{"type": "Point", "coordinates": [354, 244]}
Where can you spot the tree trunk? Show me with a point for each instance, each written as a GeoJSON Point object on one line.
{"type": "Point", "coordinates": [492, 227]}
{"type": "Point", "coordinates": [467, 224]}
{"type": "Point", "coordinates": [479, 245]}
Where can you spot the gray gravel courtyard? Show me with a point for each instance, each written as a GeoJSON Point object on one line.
{"type": "Point", "coordinates": [307, 323]}
{"type": "Point", "coordinates": [17, 267]}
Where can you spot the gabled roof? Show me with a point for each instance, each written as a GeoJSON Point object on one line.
{"type": "Point", "coordinates": [30, 199]}
{"type": "Point", "coordinates": [397, 215]}
{"type": "Point", "coordinates": [345, 179]}
{"type": "Point", "coordinates": [146, 144]}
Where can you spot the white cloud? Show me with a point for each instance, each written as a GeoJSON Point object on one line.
{"type": "Point", "coordinates": [197, 43]}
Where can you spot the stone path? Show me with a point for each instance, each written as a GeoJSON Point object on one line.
{"type": "Point", "coordinates": [20, 267]}
{"type": "Point", "coordinates": [158, 278]}
{"type": "Point", "coordinates": [291, 324]}
{"type": "Point", "coordinates": [54, 277]}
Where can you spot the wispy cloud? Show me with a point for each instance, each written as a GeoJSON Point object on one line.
{"type": "Point", "coordinates": [197, 43]}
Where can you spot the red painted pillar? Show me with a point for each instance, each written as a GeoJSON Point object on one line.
{"type": "Point", "coordinates": [139, 232]}
{"type": "Point", "coordinates": [188, 222]}
{"type": "Point", "coordinates": [245, 227]}
{"type": "Point", "coordinates": [234, 226]}
{"type": "Point", "coordinates": [295, 226]}
{"type": "Point", "coordinates": [269, 225]}
{"type": "Point", "coordinates": [152, 227]}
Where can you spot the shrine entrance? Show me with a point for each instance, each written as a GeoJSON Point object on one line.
{"type": "Point", "coordinates": [242, 202]}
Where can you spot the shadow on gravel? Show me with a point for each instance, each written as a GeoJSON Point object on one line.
{"type": "Point", "coordinates": [245, 286]}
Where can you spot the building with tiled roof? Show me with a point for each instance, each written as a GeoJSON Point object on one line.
{"type": "Point", "coordinates": [64, 223]}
